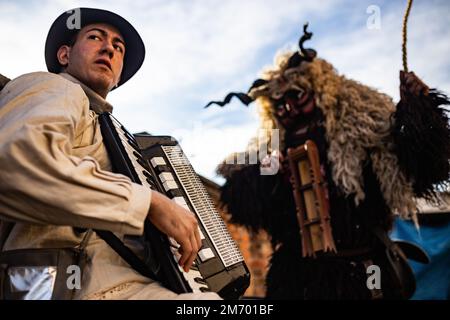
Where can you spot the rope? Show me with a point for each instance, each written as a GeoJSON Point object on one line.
{"type": "Point", "coordinates": [404, 35]}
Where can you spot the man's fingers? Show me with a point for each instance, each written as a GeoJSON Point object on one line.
{"type": "Point", "coordinates": [188, 253]}
{"type": "Point", "coordinates": [193, 254]}
{"type": "Point", "coordinates": [196, 243]}
{"type": "Point", "coordinates": [198, 238]}
{"type": "Point", "coordinates": [185, 251]}
{"type": "Point", "coordinates": [191, 243]}
{"type": "Point", "coordinates": [179, 224]}
{"type": "Point", "coordinates": [195, 232]}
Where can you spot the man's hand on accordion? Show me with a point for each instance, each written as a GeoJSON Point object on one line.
{"type": "Point", "coordinates": [178, 223]}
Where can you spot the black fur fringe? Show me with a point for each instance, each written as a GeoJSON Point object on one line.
{"type": "Point", "coordinates": [422, 137]}
{"type": "Point", "coordinates": [291, 277]}
{"type": "Point", "coordinates": [259, 201]}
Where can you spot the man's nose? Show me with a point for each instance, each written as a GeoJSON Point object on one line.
{"type": "Point", "coordinates": [108, 49]}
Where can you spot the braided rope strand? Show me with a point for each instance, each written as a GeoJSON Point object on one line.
{"type": "Point", "coordinates": [404, 36]}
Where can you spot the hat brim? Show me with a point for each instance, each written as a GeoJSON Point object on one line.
{"type": "Point", "coordinates": [61, 32]}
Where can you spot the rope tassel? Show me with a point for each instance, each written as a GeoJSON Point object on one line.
{"type": "Point", "coordinates": [421, 130]}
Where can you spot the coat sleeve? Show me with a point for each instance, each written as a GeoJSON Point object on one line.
{"type": "Point", "coordinates": [42, 179]}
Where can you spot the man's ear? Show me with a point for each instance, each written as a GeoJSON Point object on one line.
{"type": "Point", "coordinates": [63, 55]}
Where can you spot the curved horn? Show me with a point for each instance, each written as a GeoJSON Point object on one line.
{"type": "Point", "coordinates": [308, 54]}
{"type": "Point", "coordinates": [243, 97]}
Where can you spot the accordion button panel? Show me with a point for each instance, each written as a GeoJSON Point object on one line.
{"type": "Point", "coordinates": [166, 176]}
{"type": "Point", "coordinates": [157, 161]}
{"type": "Point", "coordinates": [205, 254]}
{"type": "Point", "coordinates": [170, 185]}
{"type": "Point", "coordinates": [180, 201]}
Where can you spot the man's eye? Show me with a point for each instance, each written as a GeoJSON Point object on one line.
{"type": "Point", "coordinates": [93, 37]}
{"type": "Point", "coordinates": [118, 48]}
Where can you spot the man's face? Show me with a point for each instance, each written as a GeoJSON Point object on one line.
{"type": "Point", "coordinates": [96, 58]}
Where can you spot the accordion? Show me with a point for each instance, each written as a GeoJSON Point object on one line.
{"type": "Point", "coordinates": [159, 163]}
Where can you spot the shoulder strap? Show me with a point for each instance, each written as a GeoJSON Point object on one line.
{"type": "Point", "coordinates": [3, 81]}
{"type": "Point", "coordinates": [125, 253]}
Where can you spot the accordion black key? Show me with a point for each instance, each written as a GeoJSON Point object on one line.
{"type": "Point", "coordinates": [159, 163]}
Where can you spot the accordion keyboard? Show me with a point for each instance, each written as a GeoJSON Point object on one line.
{"type": "Point", "coordinates": [202, 205]}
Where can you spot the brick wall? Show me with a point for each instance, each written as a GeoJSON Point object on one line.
{"type": "Point", "coordinates": [255, 248]}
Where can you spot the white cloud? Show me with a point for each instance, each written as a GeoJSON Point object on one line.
{"type": "Point", "coordinates": [206, 145]}
{"type": "Point", "coordinates": [373, 57]}
{"type": "Point", "coordinates": [199, 50]}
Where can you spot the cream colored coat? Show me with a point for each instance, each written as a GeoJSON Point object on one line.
{"type": "Point", "coordinates": [55, 174]}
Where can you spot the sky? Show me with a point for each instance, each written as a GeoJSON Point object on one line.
{"type": "Point", "coordinates": [197, 51]}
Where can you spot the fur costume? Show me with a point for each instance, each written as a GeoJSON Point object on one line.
{"type": "Point", "coordinates": [374, 162]}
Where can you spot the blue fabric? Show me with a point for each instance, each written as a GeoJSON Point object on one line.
{"type": "Point", "coordinates": [433, 279]}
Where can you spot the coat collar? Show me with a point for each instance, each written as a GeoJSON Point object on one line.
{"type": "Point", "coordinates": [97, 103]}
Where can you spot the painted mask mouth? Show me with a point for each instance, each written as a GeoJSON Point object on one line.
{"type": "Point", "coordinates": [294, 105]}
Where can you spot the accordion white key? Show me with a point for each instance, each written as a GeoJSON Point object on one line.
{"type": "Point", "coordinates": [159, 163]}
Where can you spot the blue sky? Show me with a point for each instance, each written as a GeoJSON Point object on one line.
{"type": "Point", "coordinates": [200, 50]}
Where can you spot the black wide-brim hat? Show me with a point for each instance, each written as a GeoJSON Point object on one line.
{"type": "Point", "coordinates": [64, 29]}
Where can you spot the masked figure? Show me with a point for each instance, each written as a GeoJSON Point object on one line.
{"type": "Point", "coordinates": [350, 159]}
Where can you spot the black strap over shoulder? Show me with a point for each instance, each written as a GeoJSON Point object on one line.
{"type": "Point", "coordinates": [126, 253]}
{"type": "Point", "coordinates": [3, 81]}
